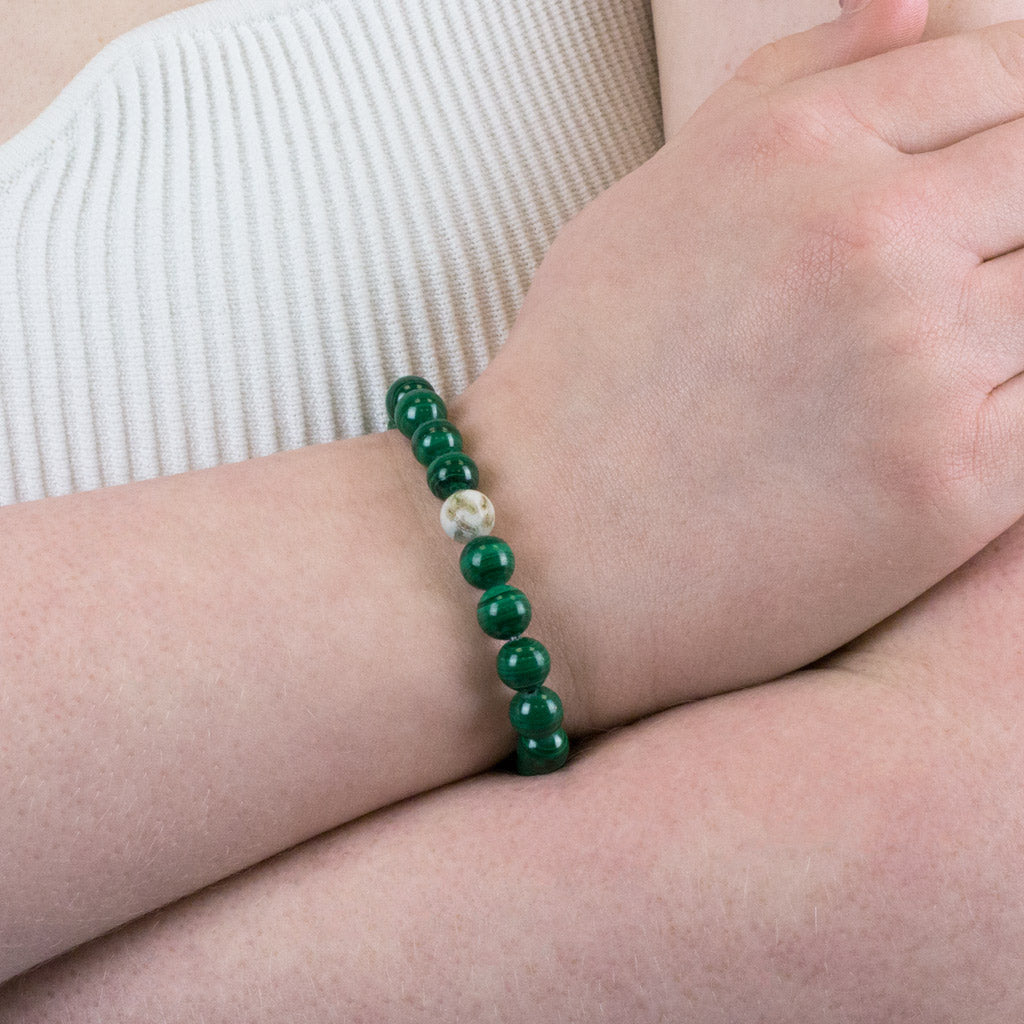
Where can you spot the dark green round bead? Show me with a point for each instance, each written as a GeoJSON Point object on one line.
{"type": "Point", "coordinates": [535, 712]}
{"type": "Point", "coordinates": [487, 561]}
{"type": "Point", "coordinates": [503, 611]}
{"type": "Point", "coordinates": [538, 755]}
{"type": "Point", "coordinates": [415, 408]}
{"type": "Point", "coordinates": [434, 438]}
{"type": "Point", "coordinates": [401, 387]}
{"type": "Point", "coordinates": [453, 472]}
{"type": "Point", "coordinates": [523, 664]}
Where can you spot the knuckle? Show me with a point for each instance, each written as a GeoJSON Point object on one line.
{"type": "Point", "coordinates": [764, 66]}
{"type": "Point", "coordinates": [923, 342]}
{"type": "Point", "coordinates": [953, 464]}
{"type": "Point", "coordinates": [855, 246]}
{"type": "Point", "coordinates": [1006, 44]}
{"type": "Point", "coordinates": [891, 211]}
{"type": "Point", "coordinates": [923, 473]}
{"type": "Point", "coordinates": [982, 450]}
{"type": "Point", "coordinates": [786, 127]}
{"type": "Point", "coordinates": [877, 237]}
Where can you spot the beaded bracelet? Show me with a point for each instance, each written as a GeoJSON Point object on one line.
{"type": "Point", "coordinates": [487, 563]}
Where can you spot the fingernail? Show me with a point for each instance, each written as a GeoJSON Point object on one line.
{"type": "Point", "coordinates": [847, 7]}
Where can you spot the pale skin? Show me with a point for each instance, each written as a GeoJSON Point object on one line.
{"type": "Point", "coordinates": [602, 710]}
{"type": "Point", "coordinates": [42, 48]}
{"type": "Point", "coordinates": [841, 846]}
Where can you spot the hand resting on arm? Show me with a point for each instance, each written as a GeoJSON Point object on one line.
{"type": "Point", "coordinates": [204, 670]}
{"type": "Point", "coordinates": [772, 380]}
{"type": "Point", "coordinates": [841, 845]}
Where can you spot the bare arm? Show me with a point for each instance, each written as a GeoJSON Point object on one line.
{"type": "Point", "coordinates": [839, 846]}
{"type": "Point", "coordinates": [842, 845]}
{"type": "Point", "coordinates": [203, 670]}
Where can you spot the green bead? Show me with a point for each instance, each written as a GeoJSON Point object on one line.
{"type": "Point", "coordinates": [538, 755]}
{"type": "Point", "coordinates": [503, 611]}
{"type": "Point", "coordinates": [487, 561]}
{"type": "Point", "coordinates": [523, 664]}
{"type": "Point", "coordinates": [453, 472]}
{"type": "Point", "coordinates": [536, 712]}
{"type": "Point", "coordinates": [434, 438]}
{"type": "Point", "coordinates": [415, 408]}
{"type": "Point", "coordinates": [401, 387]}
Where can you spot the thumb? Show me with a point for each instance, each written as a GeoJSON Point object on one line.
{"type": "Point", "coordinates": [863, 29]}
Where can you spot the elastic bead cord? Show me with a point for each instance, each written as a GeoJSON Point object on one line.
{"type": "Point", "coordinates": [487, 563]}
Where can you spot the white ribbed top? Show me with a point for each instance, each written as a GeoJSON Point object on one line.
{"type": "Point", "coordinates": [241, 221]}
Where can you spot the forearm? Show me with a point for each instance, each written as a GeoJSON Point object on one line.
{"type": "Point", "coordinates": [203, 670]}
{"type": "Point", "coordinates": [798, 853]}
{"type": "Point", "coordinates": [273, 648]}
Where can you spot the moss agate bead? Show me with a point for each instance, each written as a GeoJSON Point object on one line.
{"type": "Point", "coordinates": [453, 472]}
{"type": "Point", "coordinates": [466, 515]}
{"type": "Point", "coordinates": [486, 562]}
{"type": "Point", "coordinates": [415, 408]}
{"type": "Point", "coordinates": [401, 387]}
{"type": "Point", "coordinates": [538, 755]}
{"type": "Point", "coordinates": [503, 612]}
{"type": "Point", "coordinates": [433, 438]}
{"type": "Point", "coordinates": [523, 664]}
{"type": "Point", "coordinates": [536, 712]}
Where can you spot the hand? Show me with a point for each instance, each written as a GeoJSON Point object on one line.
{"type": "Point", "coordinates": [764, 391]}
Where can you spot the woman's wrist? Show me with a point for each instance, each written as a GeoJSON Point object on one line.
{"type": "Point", "coordinates": [501, 426]}
{"type": "Point", "coordinates": [250, 655]}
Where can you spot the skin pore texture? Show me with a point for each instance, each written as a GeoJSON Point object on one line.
{"type": "Point", "coordinates": [840, 846]}
{"type": "Point", "coordinates": [837, 846]}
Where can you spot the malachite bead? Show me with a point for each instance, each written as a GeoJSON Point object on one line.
{"type": "Point", "coordinates": [401, 387]}
{"type": "Point", "coordinates": [538, 755]}
{"type": "Point", "coordinates": [415, 408]}
{"type": "Point", "coordinates": [487, 561]}
{"type": "Point", "coordinates": [536, 712]}
{"type": "Point", "coordinates": [524, 663]}
{"type": "Point", "coordinates": [433, 438]}
{"type": "Point", "coordinates": [503, 612]}
{"type": "Point", "coordinates": [453, 472]}
{"type": "Point", "coordinates": [467, 514]}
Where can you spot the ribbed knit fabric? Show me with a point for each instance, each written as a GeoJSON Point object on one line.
{"type": "Point", "coordinates": [242, 220]}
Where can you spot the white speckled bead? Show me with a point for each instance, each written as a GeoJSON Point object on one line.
{"type": "Point", "coordinates": [467, 514]}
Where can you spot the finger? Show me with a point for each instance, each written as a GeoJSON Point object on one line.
{"type": "Point", "coordinates": [864, 31]}
{"type": "Point", "coordinates": [992, 310]}
{"type": "Point", "coordinates": [979, 188]}
{"type": "Point", "coordinates": [939, 92]}
{"type": "Point", "coordinates": [855, 35]}
{"type": "Point", "coordinates": [997, 460]}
